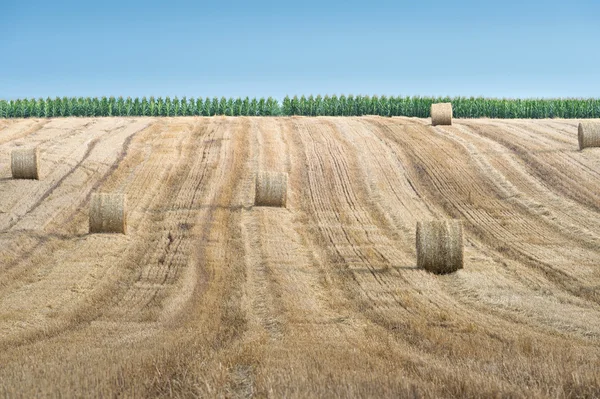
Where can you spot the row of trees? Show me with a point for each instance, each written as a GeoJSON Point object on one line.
{"type": "Point", "coordinates": [111, 106]}
{"type": "Point", "coordinates": [463, 107]}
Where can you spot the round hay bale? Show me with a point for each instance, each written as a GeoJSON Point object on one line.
{"type": "Point", "coordinates": [108, 213]}
{"type": "Point", "coordinates": [271, 189]}
{"type": "Point", "coordinates": [25, 163]}
{"type": "Point", "coordinates": [588, 134]}
{"type": "Point", "coordinates": [440, 246]}
{"type": "Point", "coordinates": [441, 114]}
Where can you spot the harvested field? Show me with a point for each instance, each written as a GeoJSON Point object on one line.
{"type": "Point", "coordinates": [207, 295]}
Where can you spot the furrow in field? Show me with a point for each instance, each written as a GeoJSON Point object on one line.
{"type": "Point", "coordinates": [396, 207]}
{"type": "Point", "coordinates": [366, 247]}
{"type": "Point", "coordinates": [6, 122]}
{"type": "Point", "coordinates": [20, 129]}
{"type": "Point", "coordinates": [209, 296]}
{"type": "Point", "coordinates": [443, 171]}
{"type": "Point", "coordinates": [59, 199]}
{"type": "Point", "coordinates": [62, 156]}
{"type": "Point", "coordinates": [44, 273]}
{"type": "Point", "coordinates": [178, 209]}
{"type": "Point", "coordinates": [395, 299]}
{"type": "Point", "coordinates": [202, 312]}
{"type": "Point", "coordinates": [41, 272]}
{"type": "Point", "coordinates": [262, 293]}
{"type": "Point", "coordinates": [526, 189]}
{"type": "Point", "coordinates": [558, 164]}
{"type": "Point", "coordinates": [510, 300]}
{"type": "Point", "coordinates": [557, 177]}
{"type": "Point", "coordinates": [286, 285]}
{"type": "Point", "coordinates": [526, 251]}
{"type": "Point", "coordinates": [294, 312]}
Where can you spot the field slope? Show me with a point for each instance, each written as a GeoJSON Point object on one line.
{"type": "Point", "coordinates": [209, 296]}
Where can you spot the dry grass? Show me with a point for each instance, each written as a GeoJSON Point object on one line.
{"type": "Point", "coordinates": [440, 246]}
{"type": "Point", "coordinates": [207, 297]}
{"type": "Point", "coordinates": [25, 163]}
{"type": "Point", "coordinates": [108, 213]}
{"type": "Point", "coordinates": [588, 134]}
{"type": "Point", "coordinates": [441, 114]}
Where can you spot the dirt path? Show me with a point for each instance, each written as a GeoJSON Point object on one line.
{"type": "Point", "coordinates": [209, 296]}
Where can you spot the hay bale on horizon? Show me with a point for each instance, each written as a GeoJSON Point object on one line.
{"type": "Point", "coordinates": [271, 189]}
{"type": "Point", "coordinates": [108, 213]}
{"type": "Point", "coordinates": [440, 246]}
{"type": "Point", "coordinates": [588, 134]}
{"type": "Point", "coordinates": [441, 114]}
{"type": "Point", "coordinates": [24, 163]}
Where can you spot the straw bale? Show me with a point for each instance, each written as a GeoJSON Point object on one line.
{"type": "Point", "coordinates": [108, 213]}
{"type": "Point", "coordinates": [271, 189]}
{"type": "Point", "coordinates": [440, 246]}
{"type": "Point", "coordinates": [25, 163]}
{"type": "Point", "coordinates": [588, 134]}
{"type": "Point", "coordinates": [441, 114]}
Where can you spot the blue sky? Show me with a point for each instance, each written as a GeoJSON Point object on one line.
{"type": "Point", "coordinates": [266, 48]}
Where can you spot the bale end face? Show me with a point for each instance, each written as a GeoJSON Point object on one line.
{"type": "Point", "coordinates": [108, 213]}
{"type": "Point", "coordinates": [24, 164]}
{"type": "Point", "coordinates": [441, 114]}
{"type": "Point", "coordinates": [440, 246]}
{"type": "Point", "coordinates": [271, 189]}
{"type": "Point", "coordinates": [588, 134]}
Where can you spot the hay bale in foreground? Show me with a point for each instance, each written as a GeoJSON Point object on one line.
{"type": "Point", "coordinates": [588, 134]}
{"type": "Point", "coordinates": [441, 114]}
{"type": "Point", "coordinates": [24, 163]}
{"type": "Point", "coordinates": [440, 246]}
{"type": "Point", "coordinates": [108, 213]}
{"type": "Point", "coordinates": [271, 189]}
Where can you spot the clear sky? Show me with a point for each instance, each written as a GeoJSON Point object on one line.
{"type": "Point", "coordinates": [265, 48]}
